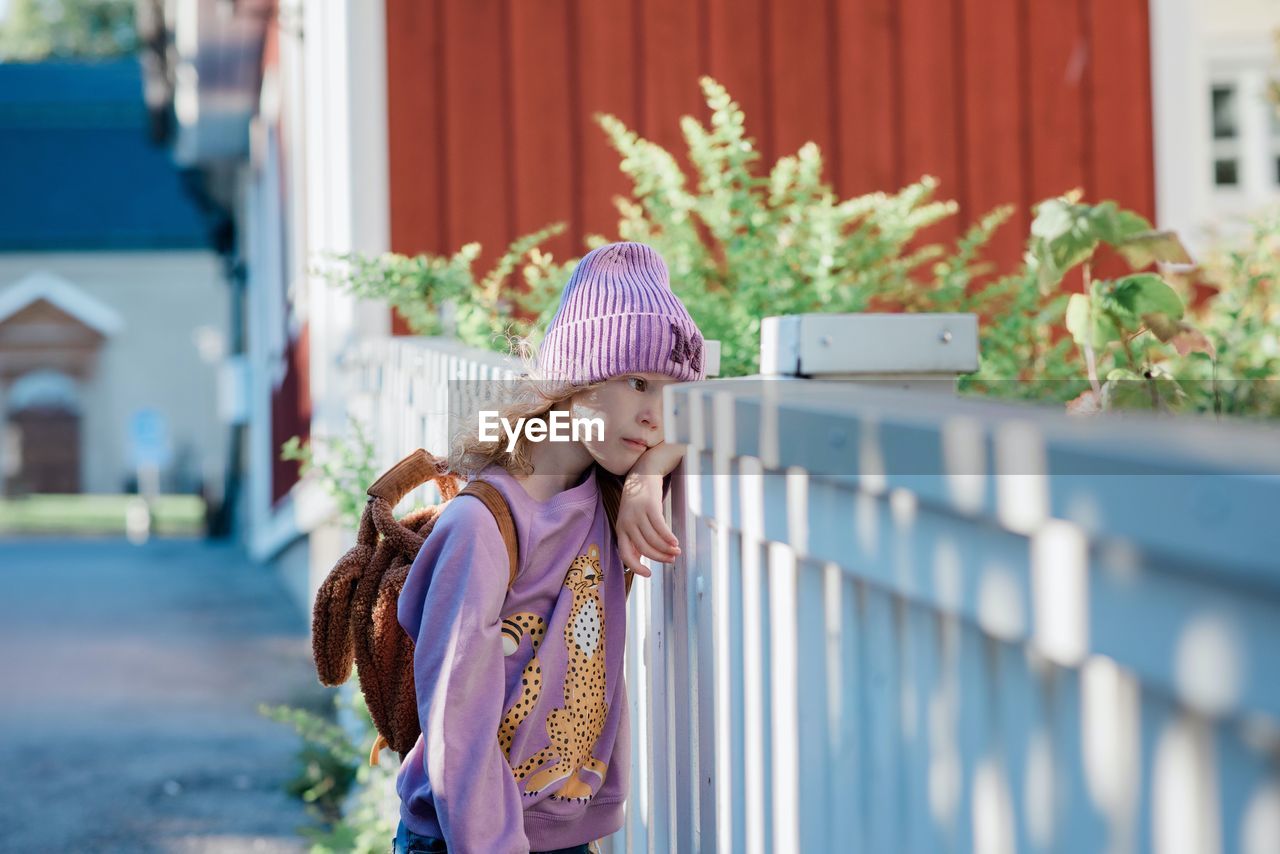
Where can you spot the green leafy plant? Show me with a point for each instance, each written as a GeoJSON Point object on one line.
{"type": "Point", "coordinates": [441, 295]}
{"type": "Point", "coordinates": [1121, 326]}
{"type": "Point", "coordinates": [344, 466]}
{"type": "Point", "coordinates": [1237, 373]}
{"type": "Point", "coordinates": [36, 30]}
{"type": "Point", "coordinates": [741, 246]}
{"type": "Point", "coordinates": [348, 796]}
{"type": "Point", "coordinates": [327, 760]}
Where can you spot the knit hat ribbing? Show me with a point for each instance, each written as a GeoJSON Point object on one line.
{"type": "Point", "coordinates": [618, 315]}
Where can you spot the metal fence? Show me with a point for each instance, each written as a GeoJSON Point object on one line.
{"type": "Point", "coordinates": [908, 622]}
{"type": "Point", "coordinates": [904, 621]}
{"type": "Point", "coordinates": [409, 390]}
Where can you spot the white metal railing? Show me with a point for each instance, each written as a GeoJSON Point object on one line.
{"type": "Point", "coordinates": [405, 389]}
{"type": "Point", "coordinates": [909, 622]}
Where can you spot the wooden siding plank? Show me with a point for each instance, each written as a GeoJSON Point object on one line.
{"type": "Point", "coordinates": [1120, 144]}
{"type": "Point", "coordinates": [931, 113]}
{"type": "Point", "coordinates": [491, 104]}
{"type": "Point", "coordinates": [1057, 58]}
{"type": "Point", "coordinates": [1057, 71]}
{"type": "Point", "coordinates": [291, 411]}
{"type": "Point", "coordinates": [995, 157]}
{"type": "Point", "coordinates": [865, 61]}
{"type": "Point", "coordinates": [798, 47]}
{"type": "Point", "coordinates": [670, 65]}
{"type": "Point", "coordinates": [414, 127]}
{"type": "Point", "coordinates": [545, 139]}
{"type": "Point", "coordinates": [738, 58]}
{"type": "Point", "coordinates": [477, 155]}
{"type": "Point", "coordinates": [607, 53]}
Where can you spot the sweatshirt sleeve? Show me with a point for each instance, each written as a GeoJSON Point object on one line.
{"type": "Point", "coordinates": [451, 605]}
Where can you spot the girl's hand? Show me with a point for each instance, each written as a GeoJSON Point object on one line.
{"type": "Point", "coordinates": [641, 528]}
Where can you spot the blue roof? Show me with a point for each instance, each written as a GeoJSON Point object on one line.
{"type": "Point", "coordinates": [77, 170]}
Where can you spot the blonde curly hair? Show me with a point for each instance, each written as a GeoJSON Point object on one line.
{"type": "Point", "coordinates": [529, 396]}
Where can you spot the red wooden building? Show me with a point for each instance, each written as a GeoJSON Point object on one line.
{"type": "Point", "coordinates": [490, 104]}
{"type": "Point", "coordinates": [420, 125]}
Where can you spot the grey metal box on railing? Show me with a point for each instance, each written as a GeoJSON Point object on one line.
{"type": "Point", "coordinates": [869, 345]}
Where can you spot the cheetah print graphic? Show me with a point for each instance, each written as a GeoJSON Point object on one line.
{"type": "Point", "coordinates": [575, 727]}
{"type": "Point", "coordinates": [514, 628]}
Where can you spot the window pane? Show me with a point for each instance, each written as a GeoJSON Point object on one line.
{"type": "Point", "coordinates": [1224, 112]}
{"type": "Point", "coordinates": [1225, 173]}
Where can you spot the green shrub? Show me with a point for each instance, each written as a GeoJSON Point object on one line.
{"type": "Point", "coordinates": [739, 246]}
{"type": "Point", "coordinates": [1237, 373]}
{"type": "Point", "coordinates": [352, 800]}
{"type": "Point", "coordinates": [742, 245]}
{"type": "Point", "coordinates": [327, 761]}
{"type": "Point", "coordinates": [441, 295]}
{"type": "Point", "coordinates": [343, 465]}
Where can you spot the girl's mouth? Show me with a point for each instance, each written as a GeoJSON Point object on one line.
{"type": "Point", "coordinates": [641, 446]}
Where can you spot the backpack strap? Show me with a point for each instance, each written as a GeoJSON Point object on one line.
{"type": "Point", "coordinates": [415, 469]}
{"type": "Point", "coordinates": [610, 494]}
{"type": "Point", "coordinates": [492, 498]}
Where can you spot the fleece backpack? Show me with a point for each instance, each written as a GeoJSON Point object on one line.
{"type": "Point", "coordinates": [355, 614]}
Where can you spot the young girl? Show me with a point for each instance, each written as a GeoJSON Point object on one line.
{"type": "Point", "coordinates": [525, 740]}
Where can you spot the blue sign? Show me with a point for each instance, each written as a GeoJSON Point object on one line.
{"type": "Point", "coordinates": [149, 439]}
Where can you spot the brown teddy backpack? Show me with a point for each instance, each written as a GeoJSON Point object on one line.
{"type": "Point", "coordinates": [355, 612]}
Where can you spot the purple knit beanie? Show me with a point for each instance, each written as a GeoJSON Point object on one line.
{"type": "Point", "coordinates": [618, 315]}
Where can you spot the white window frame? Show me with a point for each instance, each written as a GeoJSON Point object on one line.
{"type": "Point", "coordinates": [1196, 44]}
{"type": "Point", "coordinates": [1256, 143]}
{"type": "Point", "coordinates": [1231, 148]}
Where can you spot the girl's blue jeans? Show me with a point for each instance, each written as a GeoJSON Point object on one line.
{"type": "Point", "coordinates": [408, 842]}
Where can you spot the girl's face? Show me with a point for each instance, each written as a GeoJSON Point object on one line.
{"type": "Point", "coordinates": [630, 405]}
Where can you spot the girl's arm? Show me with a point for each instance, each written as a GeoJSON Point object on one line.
{"type": "Point", "coordinates": [451, 606]}
{"type": "Point", "coordinates": [641, 528]}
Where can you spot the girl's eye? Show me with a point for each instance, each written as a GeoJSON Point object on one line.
{"type": "Point", "coordinates": [638, 383]}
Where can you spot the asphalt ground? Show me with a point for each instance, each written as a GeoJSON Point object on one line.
{"type": "Point", "coordinates": [129, 683]}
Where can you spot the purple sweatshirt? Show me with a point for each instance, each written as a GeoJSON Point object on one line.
{"type": "Point", "coordinates": [525, 741]}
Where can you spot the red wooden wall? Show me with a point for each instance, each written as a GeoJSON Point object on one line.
{"type": "Point", "coordinates": [491, 103]}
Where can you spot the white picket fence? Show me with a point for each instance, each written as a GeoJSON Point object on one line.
{"type": "Point", "coordinates": [400, 389]}
{"type": "Point", "coordinates": [908, 622]}
{"type": "Point", "coordinates": [905, 622]}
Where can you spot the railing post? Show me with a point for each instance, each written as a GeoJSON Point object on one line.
{"type": "Point", "coordinates": [903, 350]}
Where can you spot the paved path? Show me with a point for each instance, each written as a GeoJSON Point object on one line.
{"type": "Point", "coordinates": [129, 680]}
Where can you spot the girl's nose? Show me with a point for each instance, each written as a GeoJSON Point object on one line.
{"type": "Point", "coordinates": [650, 418]}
